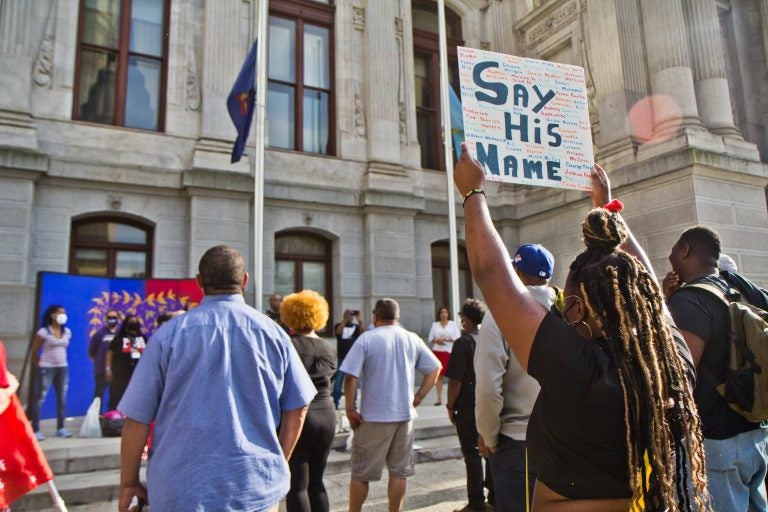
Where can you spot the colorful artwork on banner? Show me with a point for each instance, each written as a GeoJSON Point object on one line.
{"type": "Point", "coordinates": [526, 121]}
{"type": "Point", "coordinates": [87, 300]}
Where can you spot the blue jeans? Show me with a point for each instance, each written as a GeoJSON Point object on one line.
{"type": "Point", "coordinates": [508, 470]}
{"type": "Point", "coordinates": [736, 470]}
{"type": "Point", "coordinates": [338, 387]}
{"type": "Point", "coordinates": [44, 377]}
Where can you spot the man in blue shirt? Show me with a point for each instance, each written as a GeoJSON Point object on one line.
{"type": "Point", "coordinates": [384, 360]}
{"type": "Point", "coordinates": [219, 382]}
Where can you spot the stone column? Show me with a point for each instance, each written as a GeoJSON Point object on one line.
{"type": "Point", "coordinates": [764, 24]}
{"type": "Point", "coordinates": [666, 40]}
{"type": "Point", "coordinates": [712, 92]}
{"type": "Point", "coordinates": [16, 57]}
{"type": "Point", "coordinates": [381, 67]}
{"type": "Point", "coordinates": [616, 64]}
{"type": "Point", "coordinates": [225, 48]}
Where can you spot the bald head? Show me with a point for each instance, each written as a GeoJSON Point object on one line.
{"type": "Point", "coordinates": [222, 271]}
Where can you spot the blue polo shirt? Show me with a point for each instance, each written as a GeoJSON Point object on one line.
{"type": "Point", "coordinates": [215, 381]}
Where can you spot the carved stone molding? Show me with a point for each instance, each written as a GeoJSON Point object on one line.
{"type": "Point", "coordinates": [360, 128]}
{"type": "Point", "coordinates": [192, 82]}
{"type": "Point", "coordinates": [358, 17]}
{"type": "Point", "coordinates": [42, 73]}
{"type": "Point", "coordinates": [485, 45]}
{"type": "Point", "coordinates": [539, 25]}
{"type": "Point", "coordinates": [399, 26]}
{"type": "Point", "coordinates": [402, 118]}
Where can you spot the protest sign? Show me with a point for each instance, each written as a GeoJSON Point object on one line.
{"type": "Point", "coordinates": [526, 121]}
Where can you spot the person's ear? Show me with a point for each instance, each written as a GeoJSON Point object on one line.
{"type": "Point", "coordinates": [685, 250]}
{"type": "Point", "coordinates": [245, 280]}
{"type": "Point", "coordinates": [199, 280]}
{"type": "Point", "coordinates": [579, 310]}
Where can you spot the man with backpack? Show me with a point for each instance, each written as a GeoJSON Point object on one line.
{"type": "Point", "coordinates": [701, 301]}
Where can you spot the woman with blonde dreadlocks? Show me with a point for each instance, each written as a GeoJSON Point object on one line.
{"type": "Point", "coordinates": [614, 427]}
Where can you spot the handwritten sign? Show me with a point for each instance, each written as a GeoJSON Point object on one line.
{"type": "Point", "coordinates": [526, 121]}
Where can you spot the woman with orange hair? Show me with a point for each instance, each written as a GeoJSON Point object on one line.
{"type": "Point", "coordinates": [304, 312]}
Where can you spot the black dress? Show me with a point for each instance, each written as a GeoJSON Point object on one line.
{"type": "Point", "coordinates": [307, 463]}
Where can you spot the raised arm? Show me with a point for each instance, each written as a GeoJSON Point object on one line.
{"type": "Point", "coordinates": [517, 313]}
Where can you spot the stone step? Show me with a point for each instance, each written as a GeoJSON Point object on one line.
{"type": "Point", "coordinates": [78, 455]}
{"type": "Point", "coordinates": [98, 486]}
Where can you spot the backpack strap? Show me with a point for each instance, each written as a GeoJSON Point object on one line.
{"type": "Point", "coordinates": [711, 288]}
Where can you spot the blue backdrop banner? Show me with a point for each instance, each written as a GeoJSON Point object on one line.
{"type": "Point", "coordinates": [87, 300]}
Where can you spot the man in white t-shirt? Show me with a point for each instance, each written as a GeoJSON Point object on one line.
{"type": "Point", "coordinates": [383, 360]}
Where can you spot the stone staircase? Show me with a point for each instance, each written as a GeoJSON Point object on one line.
{"type": "Point", "coordinates": [87, 470]}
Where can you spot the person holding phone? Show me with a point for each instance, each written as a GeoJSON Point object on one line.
{"type": "Point", "coordinates": [347, 332]}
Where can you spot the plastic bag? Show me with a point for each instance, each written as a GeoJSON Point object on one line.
{"type": "Point", "coordinates": [91, 426]}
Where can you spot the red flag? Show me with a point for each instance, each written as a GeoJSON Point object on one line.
{"type": "Point", "coordinates": [23, 465]}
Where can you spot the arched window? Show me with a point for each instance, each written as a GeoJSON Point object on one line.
{"type": "Point", "coordinates": [111, 247]}
{"type": "Point", "coordinates": [441, 275]}
{"type": "Point", "coordinates": [426, 61]}
{"type": "Point", "coordinates": [303, 262]}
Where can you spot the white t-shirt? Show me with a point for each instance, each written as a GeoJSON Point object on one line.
{"type": "Point", "coordinates": [438, 331]}
{"type": "Point", "coordinates": [54, 354]}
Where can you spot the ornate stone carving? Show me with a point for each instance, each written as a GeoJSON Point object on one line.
{"type": "Point", "coordinates": [399, 26]}
{"type": "Point", "coordinates": [360, 129]}
{"type": "Point", "coordinates": [402, 118]}
{"type": "Point", "coordinates": [115, 202]}
{"type": "Point", "coordinates": [42, 72]}
{"type": "Point", "coordinates": [308, 218]}
{"type": "Point", "coordinates": [485, 45]}
{"type": "Point", "coordinates": [539, 29]}
{"type": "Point", "coordinates": [358, 17]}
{"type": "Point", "coordinates": [191, 80]}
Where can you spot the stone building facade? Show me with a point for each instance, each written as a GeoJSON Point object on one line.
{"type": "Point", "coordinates": [678, 103]}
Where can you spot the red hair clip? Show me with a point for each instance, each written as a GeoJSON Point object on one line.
{"type": "Point", "coordinates": [614, 206]}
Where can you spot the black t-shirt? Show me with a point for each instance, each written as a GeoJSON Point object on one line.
{"type": "Point", "coordinates": [461, 367]}
{"type": "Point", "coordinates": [319, 359]}
{"type": "Point", "coordinates": [343, 344]}
{"type": "Point", "coordinates": [126, 352]}
{"type": "Point", "coordinates": [706, 315]}
{"type": "Point", "coordinates": [576, 433]}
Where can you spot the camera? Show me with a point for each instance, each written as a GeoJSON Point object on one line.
{"type": "Point", "coordinates": [355, 312]}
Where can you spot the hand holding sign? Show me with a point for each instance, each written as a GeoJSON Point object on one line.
{"type": "Point", "coordinates": [468, 175]}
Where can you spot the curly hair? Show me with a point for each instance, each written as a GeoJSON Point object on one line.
{"type": "Point", "coordinates": [663, 429]}
{"type": "Point", "coordinates": [304, 311]}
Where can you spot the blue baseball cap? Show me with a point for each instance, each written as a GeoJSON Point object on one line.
{"type": "Point", "coordinates": [535, 260]}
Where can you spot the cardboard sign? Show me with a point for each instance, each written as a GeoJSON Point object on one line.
{"type": "Point", "coordinates": [526, 121]}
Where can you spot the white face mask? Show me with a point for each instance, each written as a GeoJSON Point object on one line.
{"type": "Point", "coordinates": [61, 319]}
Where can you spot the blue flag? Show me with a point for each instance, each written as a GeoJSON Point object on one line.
{"type": "Point", "coordinates": [457, 122]}
{"type": "Point", "coordinates": [240, 102]}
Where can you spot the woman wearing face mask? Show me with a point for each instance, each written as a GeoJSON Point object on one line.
{"type": "Point", "coordinates": [51, 367]}
{"type": "Point", "coordinates": [125, 350]}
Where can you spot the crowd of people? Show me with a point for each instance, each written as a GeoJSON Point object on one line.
{"type": "Point", "coordinates": [602, 396]}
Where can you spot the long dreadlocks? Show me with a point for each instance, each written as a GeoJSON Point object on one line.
{"type": "Point", "coordinates": [663, 430]}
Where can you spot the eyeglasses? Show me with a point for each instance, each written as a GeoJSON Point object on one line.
{"type": "Point", "coordinates": [111, 318]}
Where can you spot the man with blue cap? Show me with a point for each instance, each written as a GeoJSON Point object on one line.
{"type": "Point", "coordinates": [505, 394]}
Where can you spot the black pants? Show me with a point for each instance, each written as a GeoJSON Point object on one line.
{"type": "Point", "coordinates": [466, 428]}
{"type": "Point", "coordinates": [100, 386]}
{"type": "Point", "coordinates": [508, 464]}
{"type": "Point", "coordinates": [117, 388]}
{"type": "Point", "coordinates": [307, 463]}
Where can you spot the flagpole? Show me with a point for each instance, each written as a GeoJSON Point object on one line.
{"type": "Point", "coordinates": [445, 110]}
{"type": "Point", "coordinates": [260, 120]}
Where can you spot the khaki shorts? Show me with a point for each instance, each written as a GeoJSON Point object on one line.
{"type": "Point", "coordinates": [377, 443]}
